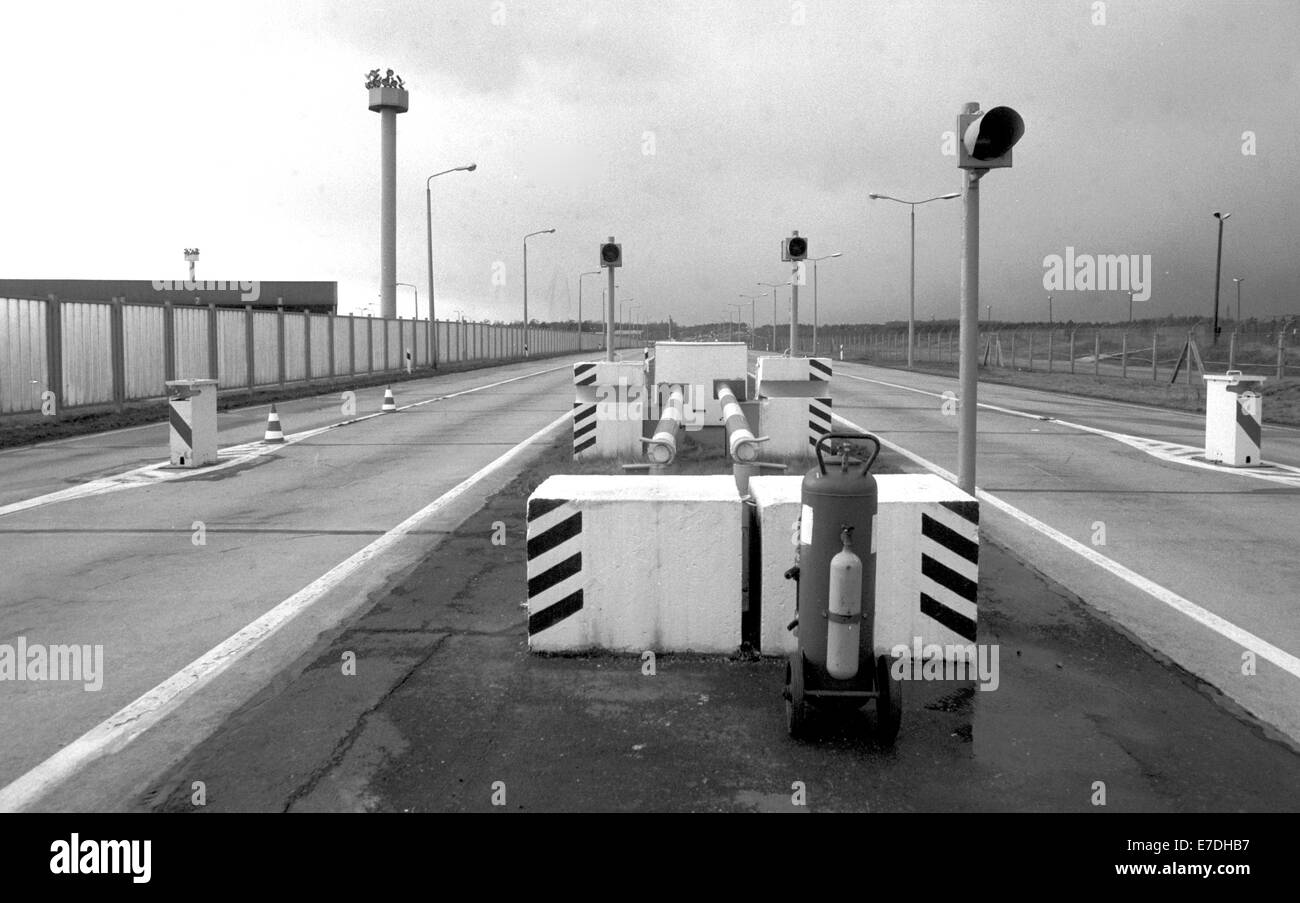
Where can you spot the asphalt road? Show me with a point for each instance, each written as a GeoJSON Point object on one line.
{"type": "Point", "coordinates": [447, 711]}
{"type": "Point", "coordinates": [1116, 482]}
{"type": "Point", "coordinates": [160, 573]}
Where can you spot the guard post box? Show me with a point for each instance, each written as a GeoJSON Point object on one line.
{"type": "Point", "coordinates": [193, 417]}
{"type": "Point", "coordinates": [1233, 416]}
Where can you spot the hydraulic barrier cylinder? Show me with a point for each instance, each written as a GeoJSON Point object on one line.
{"type": "Point", "coordinates": [741, 443]}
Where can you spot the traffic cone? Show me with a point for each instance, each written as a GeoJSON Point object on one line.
{"type": "Point", "coordinates": [390, 404]}
{"type": "Point", "coordinates": [274, 434]}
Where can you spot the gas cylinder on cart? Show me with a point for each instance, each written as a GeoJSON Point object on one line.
{"type": "Point", "coordinates": [837, 562]}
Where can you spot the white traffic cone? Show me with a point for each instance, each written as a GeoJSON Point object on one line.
{"type": "Point", "coordinates": [274, 434]}
{"type": "Point", "coordinates": [390, 403]}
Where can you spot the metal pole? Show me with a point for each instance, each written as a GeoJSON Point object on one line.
{"type": "Point", "coordinates": [525, 296]}
{"type": "Point", "coordinates": [1218, 263]}
{"type": "Point", "coordinates": [428, 208]}
{"type": "Point", "coordinates": [967, 369]}
{"type": "Point", "coordinates": [911, 302]}
{"type": "Point", "coordinates": [794, 310]}
{"type": "Point", "coordinates": [814, 348]}
{"type": "Point", "coordinates": [609, 318]}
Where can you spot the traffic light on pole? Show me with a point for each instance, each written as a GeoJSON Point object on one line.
{"type": "Point", "coordinates": [794, 248]}
{"type": "Point", "coordinates": [611, 254]}
{"type": "Point", "coordinates": [987, 138]}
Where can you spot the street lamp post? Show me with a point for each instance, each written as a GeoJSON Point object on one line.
{"type": "Point", "coordinates": [1218, 263]}
{"type": "Point", "coordinates": [526, 237]}
{"type": "Point", "coordinates": [753, 299]}
{"type": "Point", "coordinates": [774, 286]}
{"type": "Point", "coordinates": [581, 276]}
{"type": "Point", "coordinates": [911, 307]}
{"type": "Point", "coordinates": [814, 263]}
{"type": "Point", "coordinates": [428, 209]}
{"type": "Point", "coordinates": [1238, 280]}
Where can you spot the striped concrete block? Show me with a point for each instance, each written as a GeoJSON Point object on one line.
{"type": "Point", "coordinates": [610, 401]}
{"type": "Point", "coordinates": [792, 377]}
{"type": "Point", "coordinates": [926, 539]}
{"type": "Point", "coordinates": [634, 563]}
{"type": "Point", "coordinates": [793, 424]}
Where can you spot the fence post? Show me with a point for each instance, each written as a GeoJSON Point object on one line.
{"type": "Point", "coordinates": [169, 341]}
{"type": "Point", "coordinates": [250, 348]}
{"type": "Point", "coordinates": [1096, 353]}
{"type": "Point", "coordinates": [1051, 351]}
{"type": "Point", "coordinates": [370, 343]}
{"type": "Point", "coordinates": [1281, 352]}
{"type": "Point", "coordinates": [306, 344]}
{"type": "Point", "coordinates": [1031, 351]}
{"type": "Point", "coordinates": [1123, 356]}
{"type": "Point", "coordinates": [214, 370]}
{"type": "Point", "coordinates": [329, 329]}
{"type": "Point", "coordinates": [1155, 344]}
{"type": "Point", "coordinates": [117, 339]}
{"type": "Point", "coordinates": [352, 345]}
{"type": "Point", "coordinates": [279, 338]}
{"type": "Point", "coordinates": [1072, 332]}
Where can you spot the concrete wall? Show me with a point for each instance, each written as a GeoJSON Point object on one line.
{"type": "Point", "coordinates": [926, 540]}
{"type": "Point", "coordinates": [630, 563]}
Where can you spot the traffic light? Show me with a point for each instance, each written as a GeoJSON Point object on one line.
{"type": "Point", "coordinates": [794, 248]}
{"type": "Point", "coordinates": [987, 138]}
{"type": "Point", "coordinates": [611, 254]}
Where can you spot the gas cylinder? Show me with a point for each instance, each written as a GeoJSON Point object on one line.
{"type": "Point", "coordinates": [844, 611]}
{"type": "Point", "coordinates": [835, 499]}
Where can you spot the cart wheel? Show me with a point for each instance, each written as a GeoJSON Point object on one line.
{"type": "Point", "coordinates": [796, 706]}
{"type": "Point", "coordinates": [889, 702]}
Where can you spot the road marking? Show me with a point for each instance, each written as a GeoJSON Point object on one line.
{"type": "Point", "coordinates": [234, 456]}
{"type": "Point", "coordinates": [119, 729]}
{"type": "Point", "coordinates": [1229, 631]}
{"type": "Point", "coordinates": [1172, 452]}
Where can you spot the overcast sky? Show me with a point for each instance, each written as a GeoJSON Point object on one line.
{"type": "Point", "coordinates": [698, 133]}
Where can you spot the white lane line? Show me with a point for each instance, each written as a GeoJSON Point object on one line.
{"type": "Point", "coordinates": [121, 728]}
{"type": "Point", "coordinates": [1206, 618]}
{"type": "Point", "coordinates": [1171, 452]}
{"type": "Point", "coordinates": [1110, 402]}
{"type": "Point", "coordinates": [234, 456]}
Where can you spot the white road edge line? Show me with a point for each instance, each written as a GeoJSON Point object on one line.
{"type": "Point", "coordinates": [235, 456]}
{"type": "Point", "coordinates": [1229, 631]}
{"type": "Point", "coordinates": [121, 728]}
{"type": "Point", "coordinates": [1150, 447]}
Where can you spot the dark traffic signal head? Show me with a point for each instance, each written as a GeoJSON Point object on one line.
{"type": "Point", "coordinates": [987, 138]}
{"type": "Point", "coordinates": [794, 248]}
{"type": "Point", "coordinates": [611, 254]}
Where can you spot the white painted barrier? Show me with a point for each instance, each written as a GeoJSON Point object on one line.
{"type": "Point", "coordinates": [610, 401]}
{"type": "Point", "coordinates": [634, 563]}
{"type": "Point", "coordinates": [926, 541]}
{"type": "Point", "coordinates": [794, 403]}
{"type": "Point", "coordinates": [793, 377]}
{"type": "Point", "coordinates": [698, 367]}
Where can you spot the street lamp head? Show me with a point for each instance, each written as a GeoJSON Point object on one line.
{"type": "Point", "coordinates": [949, 197]}
{"type": "Point", "coordinates": [876, 197]}
{"type": "Point", "coordinates": [1221, 216]}
{"type": "Point", "coordinates": [471, 167]}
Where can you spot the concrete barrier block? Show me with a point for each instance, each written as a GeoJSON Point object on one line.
{"type": "Point", "coordinates": [610, 403]}
{"type": "Point", "coordinates": [793, 425]}
{"type": "Point", "coordinates": [926, 540]}
{"type": "Point", "coordinates": [793, 377]}
{"type": "Point", "coordinates": [630, 563]}
{"type": "Point", "coordinates": [697, 366]}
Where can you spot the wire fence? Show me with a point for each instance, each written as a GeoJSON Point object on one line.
{"type": "Point", "coordinates": [1153, 353]}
